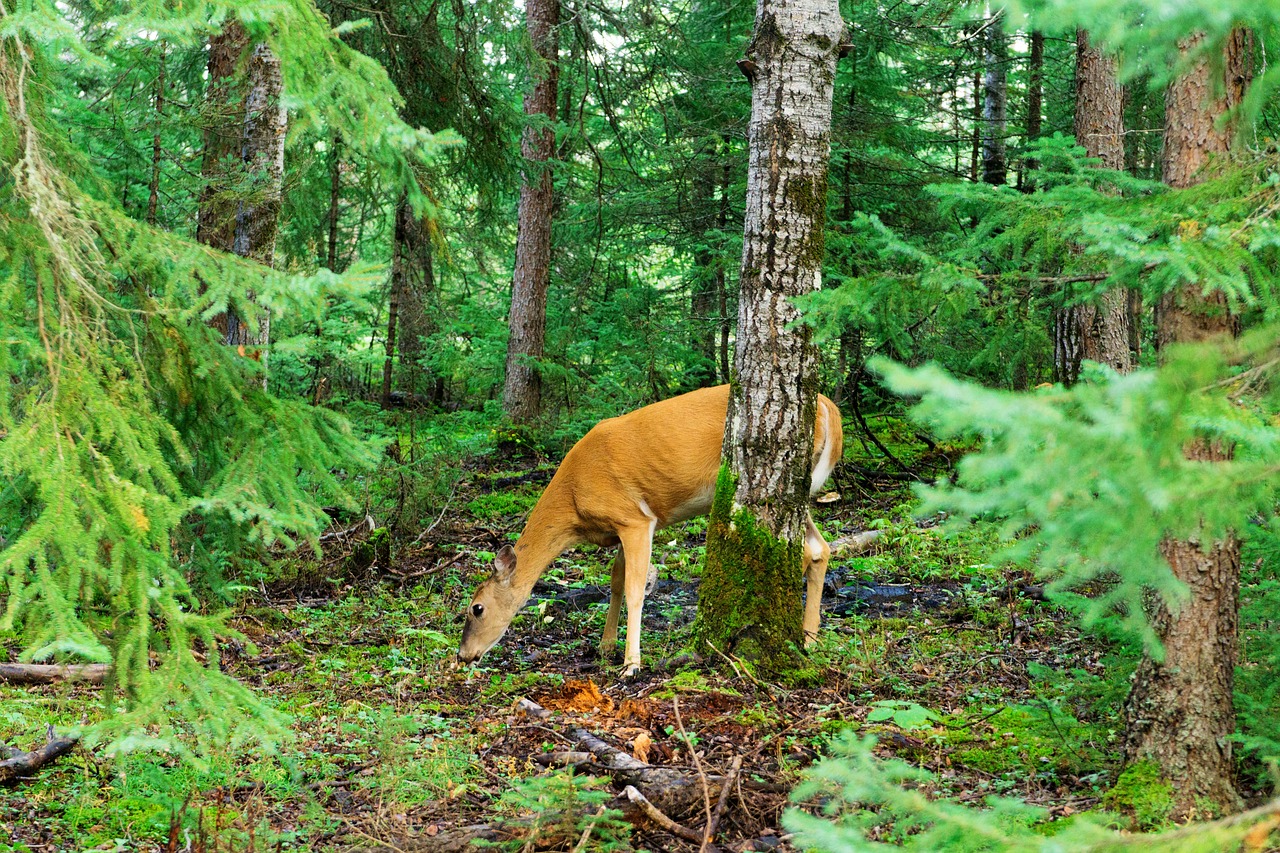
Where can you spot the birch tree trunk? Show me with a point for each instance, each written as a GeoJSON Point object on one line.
{"type": "Point", "coordinates": [749, 596]}
{"type": "Point", "coordinates": [995, 105]}
{"type": "Point", "coordinates": [1180, 712]}
{"type": "Point", "coordinates": [1101, 330]}
{"type": "Point", "coordinates": [522, 394]}
{"type": "Point", "coordinates": [244, 140]}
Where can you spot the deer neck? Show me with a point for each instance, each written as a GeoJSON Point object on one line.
{"type": "Point", "coordinates": [546, 536]}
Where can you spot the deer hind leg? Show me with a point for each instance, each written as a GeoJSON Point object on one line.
{"type": "Point", "coordinates": [617, 589]}
{"type": "Point", "coordinates": [817, 554]}
{"type": "Point", "coordinates": [637, 542]}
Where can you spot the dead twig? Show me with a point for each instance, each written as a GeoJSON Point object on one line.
{"type": "Point", "coordinates": [586, 833]}
{"type": "Point", "coordinates": [697, 763]}
{"type": "Point", "coordinates": [729, 784]}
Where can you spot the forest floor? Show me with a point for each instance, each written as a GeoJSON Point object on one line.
{"type": "Point", "coordinates": [954, 663]}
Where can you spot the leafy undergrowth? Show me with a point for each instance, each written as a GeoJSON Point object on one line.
{"type": "Point", "coordinates": [951, 660]}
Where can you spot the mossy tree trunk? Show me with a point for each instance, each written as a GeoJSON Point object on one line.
{"type": "Point", "coordinates": [244, 140]}
{"type": "Point", "coordinates": [522, 393]}
{"type": "Point", "coordinates": [1180, 712]}
{"type": "Point", "coordinates": [749, 600]}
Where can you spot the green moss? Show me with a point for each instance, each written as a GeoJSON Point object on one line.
{"type": "Point", "coordinates": [808, 195]}
{"type": "Point", "coordinates": [374, 551]}
{"type": "Point", "coordinates": [1143, 795]}
{"type": "Point", "coordinates": [749, 601]}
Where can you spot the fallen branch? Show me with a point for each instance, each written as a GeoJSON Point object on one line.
{"type": "Point", "coordinates": [39, 673]}
{"type": "Point", "coordinates": [710, 833]}
{"type": "Point", "coordinates": [655, 814]}
{"type": "Point", "coordinates": [22, 764]}
{"type": "Point", "coordinates": [850, 546]}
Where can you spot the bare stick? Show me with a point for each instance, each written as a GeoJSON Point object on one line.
{"type": "Point", "coordinates": [720, 804]}
{"type": "Point", "coordinates": [586, 833]}
{"type": "Point", "coordinates": [697, 763]}
{"type": "Point", "coordinates": [651, 812]}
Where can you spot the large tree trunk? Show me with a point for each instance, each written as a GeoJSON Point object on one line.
{"type": "Point", "coordinates": [749, 595]}
{"type": "Point", "coordinates": [244, 140]}
{"type": "Point", "coordinates": [995, 104]}
{"type": "Point", "coordinates": [522, 394]}
{"type": "Point", "coordinates": [1101, 330]}
{"type": "Point", "coordinates": [1180, 713]}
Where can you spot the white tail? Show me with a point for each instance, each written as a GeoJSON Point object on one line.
{"type": "Point", "coordinates": [626, 478]}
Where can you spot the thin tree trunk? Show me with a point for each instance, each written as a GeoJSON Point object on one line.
{"type": "Point", "coordinates": [153, 194]}
{"type": "Point", "coordinates": [1035, 99]}
{"type": "Point", "coordinates": [706, 264]}
{"type": "Point", "coordinates": [248, 129]}
{"type": "Point", "coordinates": [761, 505]}
{"type": "Point", "coordinates": [975, 148]}
{"type": "Point", "coordinates": [410, 308]}
{"type": "Point", "coordinates": [722, 293]}
{"type": "Point", "coordinates": [1180, 712]}
{"type": "Point", "coordinates": [522, 394]}
{"type": "Point", "coordinates": [995, 105]}
{"type": "Point", "coordinates": [1101, 329]}
{"type": "Point", "coordinates": [335, 200]}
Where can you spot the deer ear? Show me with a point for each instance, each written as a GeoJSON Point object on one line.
{"type": "Point", "coordinates": [504, 564]}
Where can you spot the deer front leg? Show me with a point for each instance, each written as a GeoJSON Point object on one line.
{"type": "Point", "coordinates": [817, 555]}
{"type": "Point", "coordinates": [617, 590]}
{"type": "Point", "coordinates": [638, 544]}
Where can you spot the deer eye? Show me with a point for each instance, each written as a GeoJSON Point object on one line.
{"type": "Point", "coordinates": [477, 610]}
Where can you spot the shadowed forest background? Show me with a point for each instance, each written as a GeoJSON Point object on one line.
{"type": "Point", "coordinates": [303, 302]}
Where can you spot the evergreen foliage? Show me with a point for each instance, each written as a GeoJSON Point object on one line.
{"type": "Point", "coordinates": [131, 436]}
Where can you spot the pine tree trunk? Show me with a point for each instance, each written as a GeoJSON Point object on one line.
{"type": "Point", "coordinates": [995, 105]}
{"type": "Point", "coordinates": [1035, 98]}
{"type": "Point", "coordinates": [153, 189]}
{"type": "Point", "coordinates": [522, 394]}
{"type": "Point", "coordinates": [1180, 713]}
{"type": "Point", "coordinates": [410, 311]}
{"type": "Point", "coordinates": [722, 291]}
{"type": "Point", "coordinates": [975, 147]}
{"type": "Point", "coordinates": [247, 129]}
{"type": "Point", "coordinates": [749, 597]}
{"type": "Point", "coordinates": [335, 200]}
{"type": "Point", "coordinates": [706, 264]}
{"type": "Point", "coordinates": [1102, 328]}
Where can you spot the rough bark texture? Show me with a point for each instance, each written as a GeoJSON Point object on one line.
{"type": "Point", "coordinates": [1192, 141]}
{"type": "Point", "coordinates": [755, 547]}
{"type": "Point", "coordinates": [1180, 713]}
{"type": "Point", "coordinates": [409, 317]}
{"type": "Point", "coordinates": [243, 140]}
{"type": "Point", "coordinates": [1098, 331]}
{"type": "Point", "coordinates": [522, 394]}
{"type": "Point", "coordinates": [995, 105]}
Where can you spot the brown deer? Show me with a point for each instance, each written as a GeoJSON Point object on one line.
{"type": "Point", "coordinates": [626, 478]}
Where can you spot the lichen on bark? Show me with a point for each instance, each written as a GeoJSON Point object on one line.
{"type": "Point", "coordinates": [749, 603]}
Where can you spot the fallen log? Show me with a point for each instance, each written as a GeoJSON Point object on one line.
{"type": "Point", "coordinates": [22, 764]}
{"type": "Point", "coordinates": [40, 673]}
{"type": "Point", "coordinates": [672, 791]}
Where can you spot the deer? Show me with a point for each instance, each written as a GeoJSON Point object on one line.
{"type": "Point", "coordinates": [627, 478]}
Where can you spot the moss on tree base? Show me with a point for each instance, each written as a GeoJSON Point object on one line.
{"type": "Point", "coordinates": [749, 599]}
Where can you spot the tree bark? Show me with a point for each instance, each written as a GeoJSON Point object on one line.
{"type": "Point", "coordinates": [706, 264]}
{"type": "Point", "coordinates": [522, 394]}
{"type": "Point", "coordinates": [975, 147]}
{"type": "Point", "coordinates": [1035, 99]}
{"type": "Point", "coordinates": [153, 189]}
{"type": "Point", "coordinates": [995, 104]}
{"type": "Point", "coordinates": [244, 141]}
{"type": "Point", "coordinates": [1180, 713]}
{"type": "Point", "coordinates": [409, 314]}
{"type": "Point", "coordinates": [760, 509]}
{"type": "Point", "coordinates": [335, 201]}
{"type": "Point", "coordinates": [1100, 330]}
